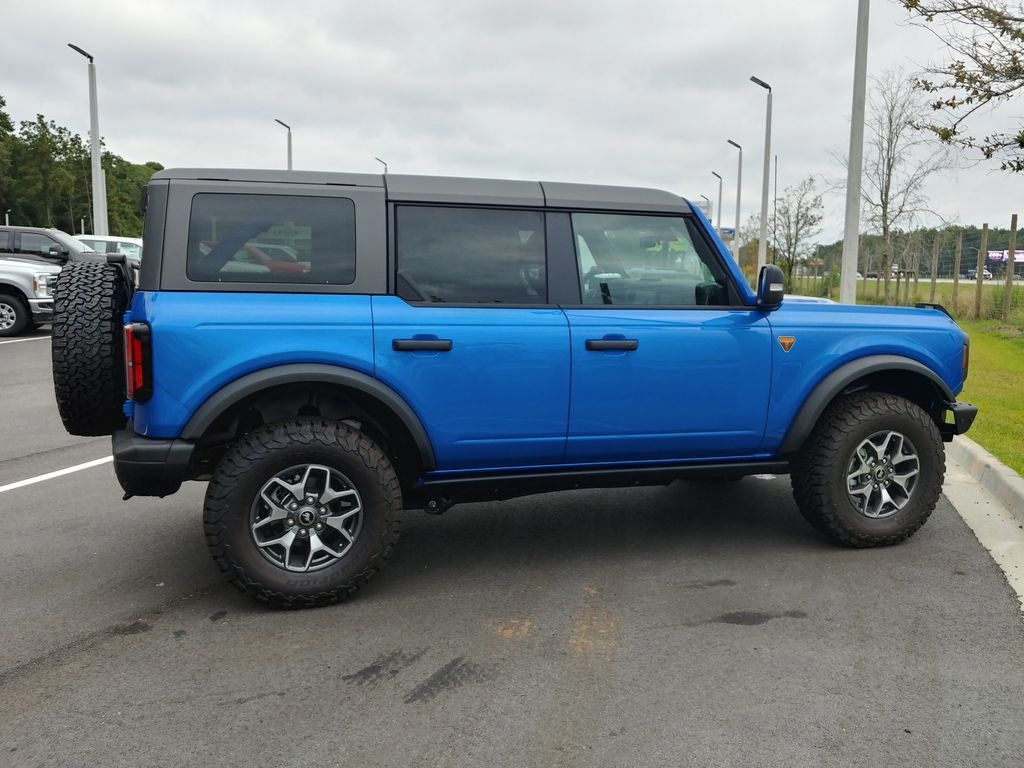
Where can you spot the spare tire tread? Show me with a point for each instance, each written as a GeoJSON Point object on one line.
{"type": "Point", "coordinates": [88, 347]}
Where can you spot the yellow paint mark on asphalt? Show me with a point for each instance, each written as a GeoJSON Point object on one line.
{"type": "Point", "coordinates": [512, 629]}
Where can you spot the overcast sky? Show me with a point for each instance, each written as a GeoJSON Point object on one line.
{"type": "Point", "coordinates": [642, 92]}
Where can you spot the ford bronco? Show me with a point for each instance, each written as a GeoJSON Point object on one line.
{"type": "Point", "coordinates": [441, 340]}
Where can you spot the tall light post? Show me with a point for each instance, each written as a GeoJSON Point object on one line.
{"type": "Point", "coordinates": [854, 166]}
{"type": "Point", "coordinates": [707, 200]}
{"type": "Point", "coordinates": [7, 217]}
{"type": "Point", "coordinates": [282, 122]}
{"type": "Point", "coordinates": [719, 213]}
{"type": "Point", "coordinates": [382, 163]}
{"type": "Point", "coordinates": [762, 244]}
{"type": "Point", "coordinates": [99, 187]}
{"type": "Point", "coordinates": [739, 191]}
{"type": "Point", "coordinates": [775, 216]}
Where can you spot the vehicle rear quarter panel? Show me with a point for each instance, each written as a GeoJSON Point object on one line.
{"type": "Point", "coordinates": [830, 335]}
{"type": "Point", "coordinates": [202, 341]}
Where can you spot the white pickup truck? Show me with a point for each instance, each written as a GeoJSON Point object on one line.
{"type": "Point", "coordinates": [26, 294]}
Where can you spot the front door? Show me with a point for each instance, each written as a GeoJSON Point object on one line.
{"type": "Point", "coordinates": [469, 340]}
{"type": "Point", "coordinates": [666, 364]}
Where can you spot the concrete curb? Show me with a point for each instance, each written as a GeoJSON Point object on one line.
{"type": "Point", "coordinates": [994, 476]}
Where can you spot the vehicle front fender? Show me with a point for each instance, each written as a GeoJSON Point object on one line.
{"type": "Point", "coordinates": [844, 377]}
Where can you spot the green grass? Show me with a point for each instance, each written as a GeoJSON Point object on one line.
{"type": "Point", "coordinates": [996, 386]}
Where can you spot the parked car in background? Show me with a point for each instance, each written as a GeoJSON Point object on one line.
{"type": "Point", "coordinates": [130, 247]}
{"type": "Point", "coordinates": [972, 274]}
{"type": "Point", "coordinates": [26, 294]}
{"type": "Point", "coordinates": [40, 244]}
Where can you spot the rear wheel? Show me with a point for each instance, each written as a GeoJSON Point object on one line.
{"type": "Point", "coordinates": [302, 513]}
{"type": "Point", "coordinates": [871, 472]}
{"type": "Point", "coordinates": [15, 316]}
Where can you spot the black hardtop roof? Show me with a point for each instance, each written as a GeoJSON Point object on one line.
{"type": "Point", "coordinates": [452, 189]}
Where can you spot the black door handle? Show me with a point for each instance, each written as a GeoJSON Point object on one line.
{"type": "Point", "coordinates": [603, 345]}
{"type": "Point", "coordinates": [421, 345]}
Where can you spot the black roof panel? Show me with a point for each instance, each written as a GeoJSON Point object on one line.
{"type": "Point", "coordinates": [453, 189]}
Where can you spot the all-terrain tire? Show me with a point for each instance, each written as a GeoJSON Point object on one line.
{"type": "Point", "coordinates": [259, 456]}
{"type": "Point", "coordinates": [15, 314]}
{"type": "Point", "coordinates": [819, 472]}
{"type": "Point", "coordinates": [89, 302]}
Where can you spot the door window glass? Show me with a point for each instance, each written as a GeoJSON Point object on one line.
{"type": "Point", "coordinates": [471, 255]}
{"type": "Point", "coordinates": [36, 244]}
{"type": "Point", "coordinates": [228, 235]}
{"type": "Point", "coordinates": [638, 260]}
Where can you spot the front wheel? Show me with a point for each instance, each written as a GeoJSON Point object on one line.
{"type": "Point", "coordinates": [15, 317]}
{"type": "Point", "coordinates": [302, 513]}
{"type": "Point", "coordinates": [871, 472]}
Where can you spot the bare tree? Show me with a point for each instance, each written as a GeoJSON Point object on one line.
{"type": "Point", "coordinates": [985, 69]}
{"type": "Point", "coordinates": [898, 160]}
{"type": "Point", "coordinates": [800, 211]}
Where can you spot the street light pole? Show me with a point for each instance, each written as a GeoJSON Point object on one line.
{"type": "Point", "coordinates": [739, 191]}
{"type": "Point", "coordinates": [707, 200]}
{"type": "Point", "coordinates": [719, 212]}
{"type": "Point", "coordinates": [854, 166]}
{"type": "Point", "coordinates": [7, 217]}
{"type": "Point", "coordinates": [282, 122]}
{"type": "Point", "coordinates": [99, 187]}
{"type": "Point", "coordinates": [382, 163]}
{"type": "Point", "coordinates": [775, 216]}
{"type": "Point", "coordinates": [762, 244]}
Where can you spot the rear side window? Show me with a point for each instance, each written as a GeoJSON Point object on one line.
{"type": "Point", "coordinates": [272, 239]}
{"type": "Point", "coordinates": [637, 260]}
{"type": "Point", "coordinates": [470, 255]}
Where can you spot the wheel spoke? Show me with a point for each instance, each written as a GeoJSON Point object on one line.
{"type": "Point", "coordinates": [316, 544]}
{"type": "Point", "coordinates": [277, 512]}
{"type": "Point", "coordinates": [330, 495]}
{"type": "Point", "coordinates": [901, 480]}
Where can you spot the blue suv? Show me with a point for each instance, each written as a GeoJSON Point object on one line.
{"type": "Point", "coordinates": [328, 349]}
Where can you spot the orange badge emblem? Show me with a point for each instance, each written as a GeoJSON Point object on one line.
{"type": "Point", "coordinates": [786, 342]}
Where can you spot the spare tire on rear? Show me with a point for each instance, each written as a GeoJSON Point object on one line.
{"type": "Point", "coordinates": [89, 302]}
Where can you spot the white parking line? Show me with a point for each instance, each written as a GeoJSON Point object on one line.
{"type": "Point", "coordinates": [30, 338]}
{"type": "Point", "coordinates": [58, 473]}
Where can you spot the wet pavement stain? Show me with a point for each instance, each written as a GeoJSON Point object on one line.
{"type": "Point", "coordinates": [753, 618]}
{"type": "Point", "coordinates": [710, 584]}
{"type": "Point", "coordinates": [384, 667]}
{"type": "Point", "coordinates": [218, 616]}
{"type": "Point", "coordinates": [135, 628]}
{"type": "Point", "coordinates": [180, 633]}
{"type": "Point", "coordinates": [455, 674]}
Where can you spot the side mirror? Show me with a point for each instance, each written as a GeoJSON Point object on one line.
{"type": "Point", "coordinates": [771, 284]}
{"type": "Point", "coordinates": [55, 251]}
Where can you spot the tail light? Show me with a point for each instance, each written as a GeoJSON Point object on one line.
{"type": "Point", "coordinates": [138, 362]}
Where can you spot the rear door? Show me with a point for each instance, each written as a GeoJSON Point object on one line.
{"type": "Point", "coordinates": [470, 340]}
{"type": "Point", "coordinates": [666, 363]}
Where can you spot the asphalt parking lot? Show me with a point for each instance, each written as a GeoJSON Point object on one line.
{"type": "Point", "coordinates": [676, 626]}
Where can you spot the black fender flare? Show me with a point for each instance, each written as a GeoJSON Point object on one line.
{"type": "Point", "coordinates": [297, 373]}
{"type": "Point", "coordinates": [841, 378]}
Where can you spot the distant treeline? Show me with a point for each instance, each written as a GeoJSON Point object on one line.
{"type": "Point", "coordinates": [45, 179]}
{"type": "Point", "coordinates": [917, 245]}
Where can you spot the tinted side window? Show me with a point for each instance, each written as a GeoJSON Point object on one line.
{"type": "Point", "coordinates": [646, 261]}
{"type": "Point", "coordinates": [470, 255]}
{"type": "Point", "coordinates": [240, 238]}
{"type": "Point", "coordinates": [36, 244]}
{"type": "Point", "coordinates": [5, 241]}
